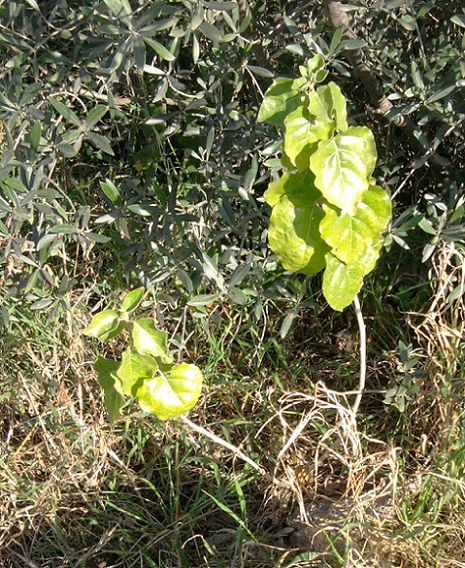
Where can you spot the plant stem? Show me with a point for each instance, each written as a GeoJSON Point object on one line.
{"type": "Point", "coordinates": [222, 442]}
{"type": "Point", "coordinates": [363, 355]}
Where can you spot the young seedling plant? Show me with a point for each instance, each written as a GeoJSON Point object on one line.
{"type": "Point", "coordinates": [147, 371]}
{"type": "Point", "coordinates": [327, 212]}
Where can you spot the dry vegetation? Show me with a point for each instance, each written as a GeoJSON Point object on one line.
{"type": "Point", "coordinates": [76, 492]}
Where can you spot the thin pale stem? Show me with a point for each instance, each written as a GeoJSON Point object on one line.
{"type": "Point", "coordinates": [363, 356]}
{"type": "Point", "coordinates": [222, 442]}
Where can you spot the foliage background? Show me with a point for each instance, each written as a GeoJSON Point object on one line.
{"type": "Point", "coordinates": [131, 155]}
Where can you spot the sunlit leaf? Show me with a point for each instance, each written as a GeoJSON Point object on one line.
{"type": "Point", "coordinates": [343, 166]}
{"type": "Point", "coordinates": [150, 340]}
{"type": "Point", "coordinates": [132, 300]}
{"type": "Point", "coordinates": [303, 130]}
{"type": "Point", "coordinates": [172, 394]}
{"type": "Point", "coordinates": [341, 282]}
{"type": "Point", "coordinates": [134, 369]}
{"type": "Point", "coordinates": [350, 236]}
{"type": "Point", "coordinates": [104, 325]}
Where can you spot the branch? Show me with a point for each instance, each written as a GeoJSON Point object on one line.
{"type": "Point", "coordinates": [364, 72]}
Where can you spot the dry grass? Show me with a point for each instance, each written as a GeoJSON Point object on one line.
{"type": "Point", "coordinates": [390, 493]}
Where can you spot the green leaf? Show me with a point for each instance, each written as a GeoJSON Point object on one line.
{"type": "Point", "coordinates": [95, 114]}
{"type": "Point", "coordinates": [132, 300]}
{"type": "Point", "coordinates": [110, 190]}
{"type": "Point", "coordinates": [65, 112]}
{"type": "Point", "coordinates": [210, 32]}
{"type": "Point", "coordinates": [341, 282]}
{"type": "Point", "coordinates": [172, 394]}
{"type": "Point", "coordinates": [303, 131]}
{"type": "Point", "coordinates": [36, 133]}
{"type": "Point", "coordinates": [279, 100]}
{"type": "Point", "coordinates": [334, 104]}
{"type": "Point", "coordinates": [294, 233]}
{"type": "Point", "coordinates": [134, 369]}
{"type": "Point", "coordinates": [104, 325]}
{"type": "Point", "coordinates": [160, 49]}
{"type": "Point", "coordinates": [343, 167]}
{"type": "Point", "coordinates": [203, 299]}
{"type": "Point", "coordinates": [101, 142]}
{"type": "Point", "coordinates": [288, 184]}
{"type": "Point", "coordinates": [458, 19]}
{"type": "Point", "coordinates": [150, 340]}
{"type": "Point", "coordinates": [106, 370]}
{"type": "Point", "coordinates": [350, 236]}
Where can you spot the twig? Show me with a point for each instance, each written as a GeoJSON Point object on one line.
{"type": "Point", "coordinates": [222, 442]}
{"type": "Point", "coordinates": [363, 356]}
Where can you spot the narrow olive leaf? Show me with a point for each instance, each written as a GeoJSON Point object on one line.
{"type": "Point", "coordinates": [132, 300]}
{"type": "Point", "coordinates": [101, 142]}
{"type": "Point", "coordinates": [280, 99]}
{"type": "Point", "coordinates": [294, 232]}
{"type": "Point", "coordinates": [95, 114]}
{"type": "Point", "coordinates": [160, 49]}
{"type": "Point", "coordinates": [113, 395]}
{"type": "Point", "coordinates": [65, 112]}
{"type": "Point", "coordinates": [66, 150]}
{"type": "Point", "coordinates": [172, 394]}
{"type": "Point", "coordinates": [210, 32]}
{"type": "Point", "coordinates": [260, 71]}
{"type": "Point", "coordinates": [303, 131]}
{"type": "Point", "coordinates": [150, 340]}
{"type": "Point", "coordinates": [110, 190]}
{"type": "Point", "coordinates": [343, 166]}
{"type": "Point", "coordinates": [203, 300]}
{"type": "Point", "coordinates": [341, 282]}
{"type": "Point", "coordinates": [104, 325]}
{"type": "Point", "coordinates": [351, 236]}
{"type": "Point", "coordinates": [134, 369]}
{"type": "Point", "coordinates": [36, 133]}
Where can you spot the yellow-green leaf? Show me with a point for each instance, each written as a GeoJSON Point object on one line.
{"type": "Point", "coordinates": [172, 394]}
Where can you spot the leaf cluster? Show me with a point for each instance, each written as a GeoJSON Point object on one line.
{"type": "Point", "coordinates": [146, 370]}
{"type": "Point", "coordinates": [327, 213]}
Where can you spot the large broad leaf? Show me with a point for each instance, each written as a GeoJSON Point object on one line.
{"type": "Point", "coordinates": [106, 370]}
{"type": "Point", "coordinates": [150, 340]}
{"type": "Point", "coordinates": [341, 282]}
{"type": "Point", "coordinates": [288, 184]}
{"type": "Point", "coordinates": [104, 325]}
{"type": "Point", "coordinates": [351, 236]}
{"type": "Point", "coordinates": [294, 233]}
{"type": "Point", "coordinates": [280, 100]}
{"type": "Point", "coordinates": [303, 131]}
{"type": "Point", "coordinates": [134, 369]}
{"type": "Point", "coordinates": [343, 167]}
{"type": "Point", "coordinates": [332, 100]}
{"type": "Point", "coordinates": [170, 395]}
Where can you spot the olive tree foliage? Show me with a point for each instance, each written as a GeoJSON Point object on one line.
{"type": "Point", "coordinates": [130, 146]}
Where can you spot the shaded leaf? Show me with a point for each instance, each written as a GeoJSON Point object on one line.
{"type": "Point", "coordinates": [279, 100]}
{"type": "Point", "coordinates": [106, 370]}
